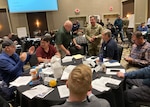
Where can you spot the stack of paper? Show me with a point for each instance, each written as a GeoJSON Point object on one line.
{"type": "Point", "coordinates": [100, 84]}
{"type": "Point", "coordinates": [39, 91]}
{"type": "Point", "coordinates": [67, 59]}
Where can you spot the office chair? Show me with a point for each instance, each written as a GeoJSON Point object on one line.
{"type": "Point", "coordinates": [120, 50]}
{"type": "Point", "coordinates": [4, 103]}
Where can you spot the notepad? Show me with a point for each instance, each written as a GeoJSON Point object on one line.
{"type": "Point", "coordinates": [78, 56]}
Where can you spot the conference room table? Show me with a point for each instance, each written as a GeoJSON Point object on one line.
{"type": "Point", "coordinates": [114, 95]}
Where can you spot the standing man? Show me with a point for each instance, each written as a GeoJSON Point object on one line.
{"type": "Point", "coordinates": [119, 24]}
{"type": "Point", "coordinates": [125, 25]}
{"type": "Point", "coordinates": [63, 38]}
{"type": "Point", "coordinates": [93, 35]}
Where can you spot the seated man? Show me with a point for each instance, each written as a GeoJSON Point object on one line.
{"type": "Point", "coordinates": [46, 51]}
{"type": "Point", "coordinates": [11, 66]}
{"type": "Point", "coordinates": [63, 38]}
{"type": "Point", "coordinates": [141, 79]}
{"type": "Point", "coordinates": [79, 44]}
{"type": "Point", "coordinates": [142, 27]}
{"type": "Point", "coordinates": [109, 47]}
{"type": "Point", "coordinates": [79, 85]}
{"type": "Point", "coordinates": [140, 53]}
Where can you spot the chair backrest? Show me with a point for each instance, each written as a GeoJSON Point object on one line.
{"type": "Point", "coordinates": [3, 102]}
{"type": "Point", "coordinates": [143, 104]}
{"type": "Point", "coordinates": [33, 60]}
{"type": "Point", "coordinates": [120, 50]}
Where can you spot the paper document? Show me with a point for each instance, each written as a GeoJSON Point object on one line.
{"type": "Point", "coordinates": [22, 80]}
{"type": "Point", "coordinates": [67, 71]}
{"type": "Point", "coordinates": [67, 59]}
{"type": "Point", "coordinates": [98, 68]}
{"type": "Point", "coordinates": [110, 80]}
{"type": "Point", "coordinates": [78, 56]}
{"type": "Point", "coordinates": [39, 91]}
{"type": "Point", "coordinates": [113, 71]}
{"type": "Point", "coordinates": [63, 91]}
{"type": "Point", "coordinates": [100, 83]}
{"type": "Point", "coordinates": [48, 71]}
{"type": "Point", "coordinates": [113, 64]}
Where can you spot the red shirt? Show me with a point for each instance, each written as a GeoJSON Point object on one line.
{"type": "Point", "coordinates": [41, 53]}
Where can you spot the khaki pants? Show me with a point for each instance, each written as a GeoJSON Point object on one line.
{"type": "Point", "coordinates": [129, 67]}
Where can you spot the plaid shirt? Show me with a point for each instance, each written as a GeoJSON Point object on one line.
{"type": "Point", "coordinates": [141, 54]}
{"type": "Point", "coordinates": [81, 40]}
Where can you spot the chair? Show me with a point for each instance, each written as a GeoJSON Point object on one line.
{"type": "Point", "coordinates": [142, 104]}
{"type": "Point", "coordinates": [33, 60]}
{"type": "Point", "coordinates": [4, 103]}
{"type": "Point", "coordinates": [120, 50]}
{"type": "Point", "coordinates": [83, 51]}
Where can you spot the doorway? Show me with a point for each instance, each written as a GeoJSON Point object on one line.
{"type": "Point", "coordinates": [37, 21]}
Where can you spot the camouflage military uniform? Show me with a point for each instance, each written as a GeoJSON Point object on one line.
{"type": "Point", "coordinates": [125, 25]}
{"type": "Point", "coordinates": [93, 47]}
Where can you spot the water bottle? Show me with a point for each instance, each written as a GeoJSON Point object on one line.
{"type": "Point", "coordinates": [101, 58]}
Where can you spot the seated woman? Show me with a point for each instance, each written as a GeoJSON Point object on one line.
{"type": "Point", "coordinates": [46, 51]}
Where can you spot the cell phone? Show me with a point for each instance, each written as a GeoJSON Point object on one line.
{"type": "Point", "coordinates": [111, 85]}
{"type": "Point", "coordinates": [115, 70]}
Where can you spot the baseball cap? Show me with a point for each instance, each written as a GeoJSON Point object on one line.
{"type": "Point", "coordinates": [7, 42]}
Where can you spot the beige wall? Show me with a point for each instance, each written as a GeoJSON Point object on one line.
{"type": "Point", "coordinates": [3, 3]}
{"type": "Point", "coordinates": [87, 7]}
{"type": "Point", "coordinates": [140, 10]}
{"type": "Point", "coordinates": [66, 10]}
{"type": "Point", "coordinates": [15, 20]}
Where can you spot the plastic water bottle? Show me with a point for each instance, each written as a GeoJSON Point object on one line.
{"type": "Point", "coordinates": [101, 61]}
{"type": "Point", "coordinates": [101, 58]}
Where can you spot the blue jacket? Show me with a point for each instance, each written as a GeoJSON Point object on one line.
{"type": "Point", "coordinates": [143, 29]}
{"type": "Point", "coordinates": [119, 23]}
{"type": "Point", "coordinates": [11, 67]}
{"type": "Point", "coordinates": [143, 73]}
